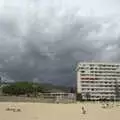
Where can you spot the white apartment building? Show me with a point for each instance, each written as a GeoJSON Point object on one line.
{"type": "Point", "coordinates": [98, 80]}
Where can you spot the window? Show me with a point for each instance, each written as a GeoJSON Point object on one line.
{"type": "Point", "coordinates": [91, 68]}
{"type": "Point", "coordinates": [82, 67]}
{"type": "Point", "coordinates": [82, 71]}
{"type": "Point", "coordinates": [92, 89]}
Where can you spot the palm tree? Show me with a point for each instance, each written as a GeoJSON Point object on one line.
{"type": "Point", "coordinates": [35, 89]}
{"type": "Point", "coordinates": [79, 97]}
{"type": "Point", "coordinates": [88, 96]}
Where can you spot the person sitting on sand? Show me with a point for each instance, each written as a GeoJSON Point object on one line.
{"type": "Point", "coordinates": [14, 109]}
{"type": "Point", "coordinates": [17, 110]}
{"type": "Point", "coordinates": [107, 105]}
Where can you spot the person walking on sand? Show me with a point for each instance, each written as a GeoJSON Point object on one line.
{"type": "Point", "coordinates": [83, 110]}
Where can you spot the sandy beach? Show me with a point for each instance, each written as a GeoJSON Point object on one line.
{"type": "Point", "coordinates": [43, 111]}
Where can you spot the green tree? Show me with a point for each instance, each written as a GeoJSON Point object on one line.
{"type": "Point", "coordinates": [79, 97]}
{"type": "Point", "coordinates": [21, 88]}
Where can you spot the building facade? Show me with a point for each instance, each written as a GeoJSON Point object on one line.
{"type": "Point", "coordinates": [97, 81]}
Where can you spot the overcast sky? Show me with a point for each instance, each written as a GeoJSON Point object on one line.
{"type": "Point", "coordinates": [45, 39]}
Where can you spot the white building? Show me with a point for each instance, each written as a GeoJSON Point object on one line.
{"type": "Point", "coordinates": [98, 80]}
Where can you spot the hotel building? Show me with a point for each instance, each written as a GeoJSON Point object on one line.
{"type": "Point", "coordinates": [98, 80]}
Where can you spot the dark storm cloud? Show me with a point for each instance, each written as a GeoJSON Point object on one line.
{"type": "Point", "coordinates": [45, 41]}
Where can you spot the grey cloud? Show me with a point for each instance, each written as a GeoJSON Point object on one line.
{"type": "Point", "coordinates": [47, 46]}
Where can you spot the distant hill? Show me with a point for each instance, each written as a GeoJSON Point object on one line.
{"type": "Point", "coordinates": [26, 88]}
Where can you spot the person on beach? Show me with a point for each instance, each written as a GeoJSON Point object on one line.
{"type": "Point", "coordinates": [83, 110]}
